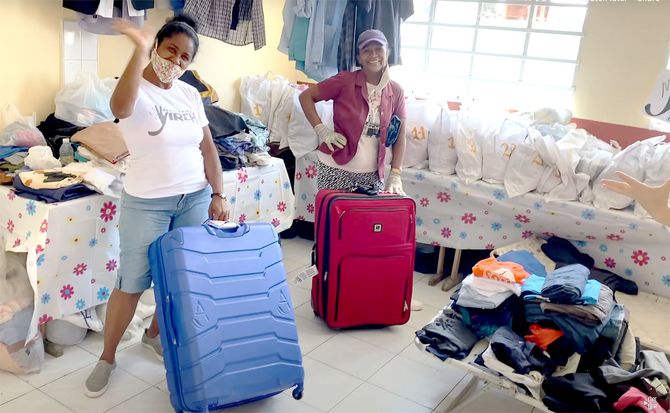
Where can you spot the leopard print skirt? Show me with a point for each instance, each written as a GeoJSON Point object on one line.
{"type": "Point", "coordinates": [336, 178]}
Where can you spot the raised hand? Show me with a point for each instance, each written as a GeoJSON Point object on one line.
{"type": "Point", "coordinates": [143, 38]}
{"type": "Point", "coordinates": [652, 198]}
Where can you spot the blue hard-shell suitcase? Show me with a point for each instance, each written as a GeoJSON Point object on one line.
{"type": "Point", "coordinates": [225, 316]}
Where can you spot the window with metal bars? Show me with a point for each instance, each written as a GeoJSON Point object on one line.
{"type": "Point", "coordinates": [515, 53]}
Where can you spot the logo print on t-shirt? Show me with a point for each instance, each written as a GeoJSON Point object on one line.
{"type": "Point", "coordinates": [173, 115]}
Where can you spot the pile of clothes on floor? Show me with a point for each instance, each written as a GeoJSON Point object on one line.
{"type": "Point", "coordinates": [554, 329]}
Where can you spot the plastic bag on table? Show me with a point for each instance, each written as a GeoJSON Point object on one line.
{"type": "Point", "coordinates": [421, 117]}
{"type": "Point", "coordinates": [473, 128]}
{"type": "Point", "coordinates": [572, 183]}
{"type": "Point", "coordinates": [256, 93]}
{"type": "Point", "coordinates": [497, 150]}
{"type": "Point", "coordinates": [85, 101]}
{"type": "Point", "coordinates": [549, 152]}
{"type": "Point", "coordinates": [41, 157]}
{"type": "Point", "coordinates": [8, 115]}
{"type": "Point", "coordinates": [21, 133]}
{"type": "Point", "coordinates": [525, 167]}
{"type": "Point", "coordinates": [301, 136]}
{"type": "Point", "coordinates": [442, 157]}
{"type": "Point", "coordinates": [629, 161]}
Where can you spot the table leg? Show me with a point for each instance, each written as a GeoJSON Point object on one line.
{"type": "Point", "coordinates": [463, 396]}
{"type": "Point", "coordinates": [454, 279]}
{"type": "Point", "coordinates": [439, 276]}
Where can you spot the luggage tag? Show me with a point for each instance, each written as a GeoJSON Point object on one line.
{"type": "Point", "coordinates": [306, 274]}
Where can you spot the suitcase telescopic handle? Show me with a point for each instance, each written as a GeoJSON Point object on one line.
{"type": "Point", "coordinates": [224, 229]}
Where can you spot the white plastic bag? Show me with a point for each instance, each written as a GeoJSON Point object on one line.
{"type": "Point", "coordinates": [16, 354]}
{"type": "Point", "coordinates": [41, 157]}
{"type": "Point", "coordinates": [595, 156]}
{"type": "Point", "coordinates": [421, 116]}
{"type": "Point", "coordinates": [84, 101]}
{"type": "Point", "coordinates": [256, 94]}
{"type": "Point", "coordinates": [21, 133]}
{"type": "Point", "coordinates": [473, 128]}
{"type": "Point", "coordinates": [16, 293]}
{"type": "Point", "coordinates": [629, 161]}
{"type": "Point", "coordinates": [8, 115]}
{"type": "Point", "coordinates": [442, 155]}
{"type": "Point", "coordinates": [551, 176]}
{"type": "Point", "coordinates": [572, 183]}
{"type": "Point", "coordinates": [280, 108]}
{"type": "Point", "coordinates": [525, 167]}
{"type": "Point", "coordinates": [497, 150]}
{"type": "Point", "coordinates": [301, 136]}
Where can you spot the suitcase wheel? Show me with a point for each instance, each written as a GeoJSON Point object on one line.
{"type": "Point", "coordinates": [297, 392]}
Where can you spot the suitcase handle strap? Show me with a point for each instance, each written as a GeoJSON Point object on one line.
{"type": "Point", "coordinates": [223, 229]}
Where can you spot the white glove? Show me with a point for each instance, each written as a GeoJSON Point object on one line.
{"type": "Point", "coordinates": [330, 137]}
{"type": "Point", "coordinates": [394, 184]}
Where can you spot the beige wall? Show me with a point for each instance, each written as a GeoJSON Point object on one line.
{"type": "Point", "coordinates": [30, 72]}
{"type": "Point", "coordinates": [624, 50]}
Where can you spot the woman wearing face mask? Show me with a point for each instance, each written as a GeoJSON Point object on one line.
{"type": "Point", "coordinates": [363, 103]}
{"type": "Point", "coordinates": [174, 176]}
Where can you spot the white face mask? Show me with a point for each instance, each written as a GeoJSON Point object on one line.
{"type": "Point", "coordinates": [165, 69]}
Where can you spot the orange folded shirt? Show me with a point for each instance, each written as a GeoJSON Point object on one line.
{"type": "Point", "coordinates": [542, 336]}
{"type": "Point", "coordinates": [508, 272]}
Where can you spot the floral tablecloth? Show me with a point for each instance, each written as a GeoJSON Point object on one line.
{"type": "Point", "coordinates": [73, 247]}
{"type": "Point", "coordinates": [480, 216]}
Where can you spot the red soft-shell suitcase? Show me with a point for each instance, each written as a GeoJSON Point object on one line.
{"type": "Point", "coordinates": [364, 252]}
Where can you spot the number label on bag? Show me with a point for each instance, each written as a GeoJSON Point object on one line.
{"type": "Point", "coordinates": [419, 133]}
{"type": "Point", "coordinates": [508, 149]}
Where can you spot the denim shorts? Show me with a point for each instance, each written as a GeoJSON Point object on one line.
{"type": "Point", "coordinates": [142, 221]}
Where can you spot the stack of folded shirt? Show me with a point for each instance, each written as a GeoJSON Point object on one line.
{"type": "Point", "coordinates": [447, 336]}
{"type": "Point", "coordinates": [54, 193]}
{"type": "Point", "coordinates": [104, 139]}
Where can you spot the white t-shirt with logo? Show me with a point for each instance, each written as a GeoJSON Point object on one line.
{"type": "Point", "coordinates": [365, 158]}
{"type": "Point", "coordinates": [163, 136]}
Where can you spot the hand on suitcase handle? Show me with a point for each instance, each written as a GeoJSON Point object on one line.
{"type": "Point", "coordinates": [225, 229]}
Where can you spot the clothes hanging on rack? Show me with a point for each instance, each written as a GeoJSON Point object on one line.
{"type": "Point", "coordinates": [333, 27]}
{"type": "Point", "coordinates": [236, 22]}
{"type": "Point", "coordinates": [323, 39]}
{"type": "Point", "coordinates": [100, 22]}
{"type": "Point", "coordinates": [294, 11]}
{"type": "Point", "coordinates": [384, 15]}
{"type": "Point", "coordinates": [346, 52]}
{"type": "Point", "coordinates": [105, 8]}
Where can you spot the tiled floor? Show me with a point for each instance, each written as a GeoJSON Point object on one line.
{"type": "Point", "coordinates": [352, 371]}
